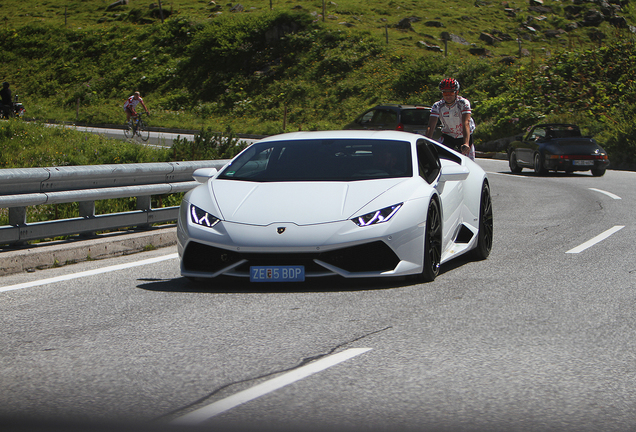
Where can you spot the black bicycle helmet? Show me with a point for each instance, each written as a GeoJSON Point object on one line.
{"type": "Point", "coordinates": [449, 84]}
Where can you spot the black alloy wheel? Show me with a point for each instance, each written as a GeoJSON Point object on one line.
{"type": "Point", "coordinates": [485, 235]}
{"type": "Point", "coordinates": [432, 243]}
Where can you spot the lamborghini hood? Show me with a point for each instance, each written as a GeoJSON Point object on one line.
{"type": "Point", "coordinates": [301, 203]}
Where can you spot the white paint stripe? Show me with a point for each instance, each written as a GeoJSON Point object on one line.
{"type": "Point", "coordinates": [609, 194]}
{"type": "Point", "coordinates": [512, 175]}
{"type": "Point", "coordinates": [88, 273]}
{"type": "Point", "coordinates": [596, 239]}
{"type": "Point", "coordinates": [207, 412]}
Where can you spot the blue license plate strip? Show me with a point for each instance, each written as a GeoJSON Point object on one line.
{"type": "Point", "coordinates": [277, 273]}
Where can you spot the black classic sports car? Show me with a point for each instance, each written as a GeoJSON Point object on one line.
{"type": "Point", "coordinates": [557, 147]}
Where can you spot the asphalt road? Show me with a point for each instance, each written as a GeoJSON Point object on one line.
{"type": "Point", "coordinates": [541, 336]}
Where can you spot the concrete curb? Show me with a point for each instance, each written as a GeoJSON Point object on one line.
{"type": "Point", "coordinates": [52, 254]}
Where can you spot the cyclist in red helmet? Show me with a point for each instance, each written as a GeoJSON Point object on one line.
{"type": "Point", "coordinates": [455, 114]}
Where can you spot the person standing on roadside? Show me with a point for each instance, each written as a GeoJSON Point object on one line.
{"type": "Point", "coordinates": [455, 114]}
{"type": "Point", "coordinates": [131, 104]}
{"type": "Point", "coordinates": [7, 102]}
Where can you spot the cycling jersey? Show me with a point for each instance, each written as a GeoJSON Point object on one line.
{"type": "Point", "coordinates": [132, 103]}
{"type": "Point", "coordinates": [451, 117]}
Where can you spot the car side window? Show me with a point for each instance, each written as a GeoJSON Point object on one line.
{"type": "Point", "coordinates": [382, 116]}
{"type": "Point", "coordinates": [538, 134]}
{"type": "Point", "coordinates": [366, 117]}
{"type": "Point", "coordinates": [415, 117]}
{"type": "Point", "coordinates": [427, 161]}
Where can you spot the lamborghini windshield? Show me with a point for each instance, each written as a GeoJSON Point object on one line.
{"type": "Point", "coordinates": [322, 160]}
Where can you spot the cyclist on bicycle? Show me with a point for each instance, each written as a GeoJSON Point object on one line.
{"type": "Point", "coordinates": [455, 114]}
{"type": "Point", "coordinates": [130, 105]}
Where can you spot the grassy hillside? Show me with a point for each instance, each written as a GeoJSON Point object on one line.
{"type": "Point", "coordinates": [264, 67]}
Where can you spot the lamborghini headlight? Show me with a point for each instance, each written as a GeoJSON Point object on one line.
{"type": "Point", "coordinates": [201, 217]}
{"type": "Point", "coordinates": [377, 217]}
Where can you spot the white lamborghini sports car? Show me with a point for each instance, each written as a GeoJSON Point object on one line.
{"type": "Point", "coordinates": [356, 204]}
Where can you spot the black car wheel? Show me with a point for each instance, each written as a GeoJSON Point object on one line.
{"type": "Point", "coordinates": [485, 235]}
{"type": "Point", "coordinates": [512, 162]}
{"type": "Point", "coordinates": [598, 172]}
{"type": "Point", "coordinates": [538, 165]}
{"type": "Point", "coordinates": [432, 243]}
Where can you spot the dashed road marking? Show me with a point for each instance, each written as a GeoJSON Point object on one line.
{"type": "Point", "coordinates": [609, 194]}
{"type": "Point", "coordinates": [596, 239]}
{"type": "Point", "coordinates": [202, 414]}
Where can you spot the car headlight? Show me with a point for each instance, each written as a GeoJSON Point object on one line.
{"type": "Point", "coordinates": [377, 217]}
{"type": "Point", "coordinates": [201, 217]}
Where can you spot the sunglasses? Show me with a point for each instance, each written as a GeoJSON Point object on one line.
{"type": "Point", "coordinates": [445, 93]}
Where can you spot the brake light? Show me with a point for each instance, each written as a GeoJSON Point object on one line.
{"type": "Point", "coordinates": [400, 127]}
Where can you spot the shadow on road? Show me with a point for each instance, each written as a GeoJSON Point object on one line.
{"type": "Point", "coordinates": [227, 285]}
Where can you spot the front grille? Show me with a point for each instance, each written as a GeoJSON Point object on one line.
{"type": "Point", "coordinates": [376, 256]}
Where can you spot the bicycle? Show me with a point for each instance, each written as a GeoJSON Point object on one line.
{"type": "Point", "coordinates": [138, 127]}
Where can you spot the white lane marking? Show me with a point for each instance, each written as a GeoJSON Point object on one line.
{"type": "Point", "coordinates": [609, 194]}
{"type": "Point", "coordinates": [596, 239]}
{"type": "Point", "coordinates": [88, 273]}
{"type": "Point", "coordinates": [207, 412]}
{"type": "Point", "coordinates": [502, 174]}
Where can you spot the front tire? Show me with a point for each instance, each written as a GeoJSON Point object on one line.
{"type": "Point", "coordinates": [432, 243]}
{"type": "Point", "coordinates": [143, 131]}
{"type": "Point", "coordinates": [485, 235]}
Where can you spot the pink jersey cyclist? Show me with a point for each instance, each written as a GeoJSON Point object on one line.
{"type": "Point", "coordinates": [131, 104]}
{"type": "Point", "coordinates": [455, 114]}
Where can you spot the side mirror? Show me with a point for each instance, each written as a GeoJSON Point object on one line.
{"type": "Point", "coordinates": [454, 173]}
{"type": "Point", "coordinates": [202, 175]}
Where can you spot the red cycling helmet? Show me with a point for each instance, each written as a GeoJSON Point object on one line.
{"type": "Point", "coordinates": [449, 84]}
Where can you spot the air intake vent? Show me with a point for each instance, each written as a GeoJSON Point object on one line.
{"type": "Point", "coordinates": [464, 235]}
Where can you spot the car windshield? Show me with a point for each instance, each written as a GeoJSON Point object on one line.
{"type": "Point", "coordinates": [563, 132]}
{"type": "Point", "coordinates": [322, 160]}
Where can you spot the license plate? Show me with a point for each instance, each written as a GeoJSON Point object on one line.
{"type": "Point", "coordinates": [277, 273]}
{"type": "Point", "coordinates": [583, 162]}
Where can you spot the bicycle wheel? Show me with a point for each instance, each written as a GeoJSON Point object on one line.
{"type": "Point", "coordinates": [143, 131]}
{"type": "Point", "coordinates": [128, 133]}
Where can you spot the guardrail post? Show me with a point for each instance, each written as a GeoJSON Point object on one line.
{"type": "Point", "coordinates": [144, 203]}
{"type": "Point", "coordinates": [17, 218]}
{"type": "Point", "coordinates": [87, 211]}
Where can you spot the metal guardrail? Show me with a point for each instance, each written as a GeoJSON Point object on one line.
{"type": "Point", "coordinates": [24, 187]}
